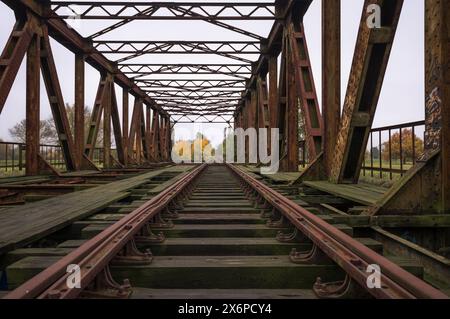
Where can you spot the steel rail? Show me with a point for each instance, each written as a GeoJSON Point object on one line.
{"type": "Point", "coordinates": [351, 255]}
{"type": "Point", "coordinates": [95, 255]}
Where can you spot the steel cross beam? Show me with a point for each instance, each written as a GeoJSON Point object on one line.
{"type": "Point", "coordinates": [194, 99]}
{"type": "Point", "coordinates": [193, 85]}
{"type": "Point", "coordinates": [183, 118]}
{"type": "Point", "coordinates": [140, 71]}
{"type": "Point", "coordinates": [187, 95]}
{"type": "Point", "coordinates": [100, 10]}
{"type": "Point", "coordinates": [73, 41]}
{"type": "Point", "coordinates": [177, 47]}
{"type": "Point", "coordinates": [150, 69]}
{"type": "Point", "coordinates": [199, 107]}
{"type": "Point", "coordinates": [186, 11]}
{"type": "Point", "coordinates": [137, 49]}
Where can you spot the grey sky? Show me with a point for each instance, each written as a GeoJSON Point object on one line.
{"type": "Point", "coordinates": [402, 97]}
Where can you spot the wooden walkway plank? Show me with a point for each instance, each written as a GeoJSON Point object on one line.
{"type": "Point", "coordinates": [366, 195]}
{"type": "Point", "coordinates": [24, 224]}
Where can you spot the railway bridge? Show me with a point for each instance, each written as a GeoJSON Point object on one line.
{"type": "Point", "coordinates": [353, 211]}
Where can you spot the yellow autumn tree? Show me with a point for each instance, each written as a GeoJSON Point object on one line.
{"type": "Point", "coordinates": [200, 144]}
{"type": "Point", "coordinates": [185, 149]}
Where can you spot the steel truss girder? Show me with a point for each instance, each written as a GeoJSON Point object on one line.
{"type": "Point", "coordinates": [139, 72]}
{"type": "Point", "coordinates": [193, 95]}
{"type": "Point", "coordinates": [177, 47]}
{"type": "Point", "coordinates": [199, 103]}
{"type": "Point", "coordinates": [186, 108]}
{"type": "Point", "coordinates": [205, 18]}
{"type": "Point", "coordinates": [151, 69]}
{"type": "Point", "coordinates": [194, 99]}
{"type": "Point", "coordinates": [69, 38]}
{"type": "Point", "coordinates": [369, 65]}
{"type": "Point", "coordinates": [169, 10]}
{"type": "Point", "coordinates": [56, 101]}
{"type": "Point", "coordinates": [190, 84]}
{"type": "Point", "coordinates": [96, 115]}
{"type": "Point", "coordinates": [137, 148]}
{"type": "Point", "coordinates": [180, 47]}
{"type": "Point", "coordinates": [304, 89]}
{"type": "Point", "coordinates": [12, 57]}
{"type": "Point", "coordinates": [186, 119]}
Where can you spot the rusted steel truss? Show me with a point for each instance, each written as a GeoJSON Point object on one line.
{"type": "Point", "coordinates": [291, 105]}
{"type": "Point", "coordinates": [370, 61]}
{"type": "Point", "coordinates": [141, 70]}
{"type": "Point", "coordinates": [165, 10]}
{"type": "Point", "coordinates": [36, 23]}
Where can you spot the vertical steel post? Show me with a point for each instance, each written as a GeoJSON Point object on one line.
{"type": "Point", "coordinates": [331, 77]}
{"type": "Point", "coordinates": [33, 79]}
{"type": "Point", "coordinates": [125, 124]}
{"type": "Point", "coordinates": [79, 126]}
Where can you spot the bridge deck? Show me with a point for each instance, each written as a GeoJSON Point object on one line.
{"type": "Point", "coordinates": [365, 194]}
{"type": "Point", "coordinates": [21, 225]}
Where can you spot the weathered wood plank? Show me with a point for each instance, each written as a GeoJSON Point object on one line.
{"type": "Point", "coordinates": [363, 195]}
{"type": "Point", "coordinates": [22, 225]}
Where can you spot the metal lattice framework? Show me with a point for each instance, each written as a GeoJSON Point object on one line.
{"type": "Point", "coordinates": [177, 93]}
{"type": "Point", "coordinates": [131, 10]}
{"type": "Point", "coordinates": [253, 80]}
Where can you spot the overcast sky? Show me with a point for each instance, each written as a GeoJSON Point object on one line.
{"type": "Point", "coordinates": [402, 97]}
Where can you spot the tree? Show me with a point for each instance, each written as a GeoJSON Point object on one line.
{"type": "Point", "coordinates": [407, 146]}
{"type": "Point", "coordinates": [48, 133]}
{"type": "Point", "coordinates": [202, 143]}
{"type": "Point", "coordinates": [182, 148]}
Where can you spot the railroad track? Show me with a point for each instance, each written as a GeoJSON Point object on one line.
{"type": "Point", "coordinates": [218, 232]}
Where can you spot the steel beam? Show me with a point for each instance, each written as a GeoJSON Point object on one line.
{"type": "Point", "coordinates": [304, 88]}
{"type": "Point", "coordinates": [94, 122]}
{"type": "Point", "coordinates": [15, 49]}
{"type": "Point", "coordinates": [125, 125]}
{"type": "Point", "coordinates": [69, 38]}
{"type": "Point", "coordinates": [177, 47]}
{"type": "Point", "coordinates": [143, 135]}
{"type": "Point", "coordinates": [56, 100]}
{"type": "Point", "coordinates": [99, 10]}
{"type": "Point", "coordinates": [331, 78]}
{"type": "Point", "coordinates": [155, 138]}
{"type": "Point", "coordinates": [292, 112]}
{"type": "Point", "coordinates": [263, 112]}
{"type": "Point", "coordinates": [437, 87]}
{"type": "Point", "coordinates": [370, 61]}
{"type": "Point", "coordinates": [273, 91]}
{"type": "Point", "coordinates": [107, 124]}
{"type": "Point", "coordinates": [115, 117]}
{"type": "Point", "coordinates": [185, 69]}
{"type": "Point", "coordinates": [135, 141]}
{"type": "Point", "coordinates": [33, 106]}
{"type": "Point", "coordinates": [79, 127]}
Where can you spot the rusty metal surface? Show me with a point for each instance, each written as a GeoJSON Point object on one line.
{"type": "Point", "coordinates": [348, 253]}
{"type": "Point", "coordinates": [95, 255]}
{"type": "Point", "coordinates": [369, 65]}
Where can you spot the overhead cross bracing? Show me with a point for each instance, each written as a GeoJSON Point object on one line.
{"type": "Point", "coordinates": [189, 76]}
